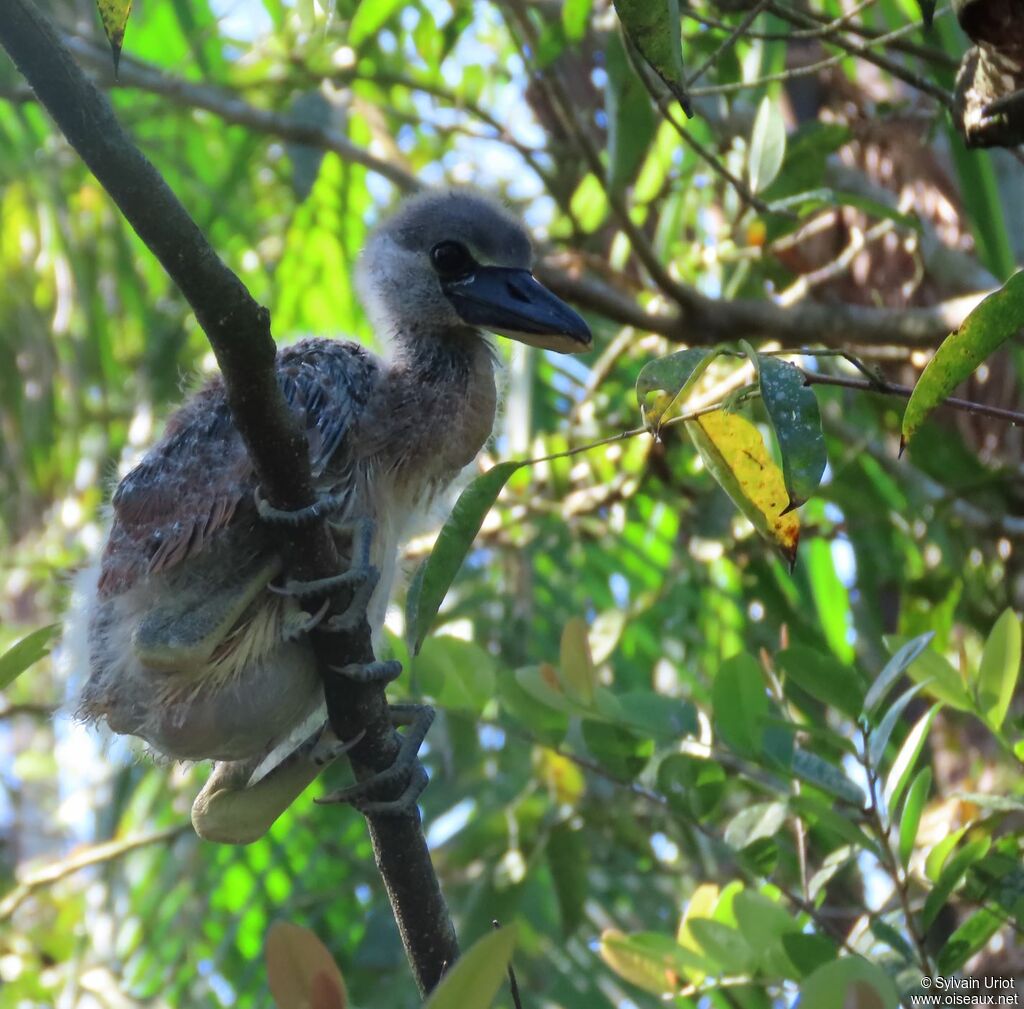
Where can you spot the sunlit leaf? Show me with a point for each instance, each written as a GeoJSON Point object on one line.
{"type": "Point", "coordinates": [970, 938]}
{"type": "Point", "coordinates": [999, 668]}
{"type": "Point", "coordinates": [477, 975]}
{"type": "Point", "coordinates": [577, 664]}
{"type": "Point", "coordinates": [653, 27]}
{"type": "Point", "coordinates": [917, 796]}
{"type": "Point", "coordinates": [663, 384]}
{"type": "Point", "coordinates": [656, 963]}
{"type": "Point", "coordinates": [754, 822]}
{"type": "Point", "coordinates": [29, 650]}
{"type": "Point", "coordinates": [369, 18]}
{"type": "Point", "coordinates": [575, 15]}
{"type": "Point", "coordinates": [940, 679]}
{"type": "Point", "coordinates": [736, 457]}
{"type": "Point", "coordinates": [951, 875]}
{"type": "Point", "coordinates": [431, 582]}
{"type": "Point", "coordinates": [301, 973]}
{"type": "Point", "coordinates": [894, 668]}
{"type": "Point", "coordinates": [903, 765]}
{"type": "Point", "coordinates": [792, 409]}
{"type": "Point", "coordinates": [878, 738]}
{"type": "Point", "coordinates": [767, 146]}
{"type": "Point", "coordinates": [999, 317]}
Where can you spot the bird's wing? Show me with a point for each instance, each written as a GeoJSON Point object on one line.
{"type": "Point", "coordinates": [198, 478]}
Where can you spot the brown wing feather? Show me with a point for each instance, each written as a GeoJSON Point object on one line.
{"type": "Point", "coordinates": [198, 479]}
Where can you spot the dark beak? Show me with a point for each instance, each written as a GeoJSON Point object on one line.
{"type": "Point", "coordinates": [511, 302]}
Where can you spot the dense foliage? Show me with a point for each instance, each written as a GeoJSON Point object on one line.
{"type": "Point", "coordinates": [688, 756]}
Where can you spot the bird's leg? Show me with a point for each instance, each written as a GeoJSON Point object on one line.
{"type": "Point", "coordinates": [406, 769]}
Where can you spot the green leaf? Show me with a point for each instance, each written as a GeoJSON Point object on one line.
{"type": "Point", "coordinates": [672, 377]}
{"type": "Point", "coordinates": [814, 812]}
{"type": "Point", "coordinates": [692, 786]}
{"type": "Point", "coordinates": [735, 455]}
{"type": "Point", "coordinates": [808, 952]}
{"type": "Point", "coordinates": [622, 752]}
{"type": "Point", "coordinates": [917, 796]}
{"type": "Point", "coordinates": [369, 18]}
{"type": "Point", "coordinates": [754, 822]}
{"type": "Point", "coordinates": [740, 704]}
{"type": "Point", "coordinates": [894, 668]}
{"type": "Point", "coordinates": [816, 771]}
{"type": "Point", "coordinates": [998, 317]}
{"type": "Point", "coordinates": [999, 668]}
{"type": "Point", "coordinates": [823, 677]}
{"type": "Point", "coordinates": [723, 944]}
{"type": "Point", "coordinates": [764, 924]}
{"type": "Point", "coordinates": [878, 738]}
{"type": "Point", "coordinates": [632, 123]}
{"type": "Point", "coordinates": [569, 857]}
{"type": "Point", "coordinates": [29, 650]}
{"type": "Point", "coordinates": [431, 582]}
{"type": "Point", "coordinates": [667, 719]}
{"type": "Point", "coordinates": [937, 857]}
{"type": "Point", "coordinates": [970, 938]}
{"type": "Point", "coordinates": [459, 674]}
{"type": "Point", "coordinates": [951, 874]}
{"type": "Point", "coordinates": [940, 679]}
{"type": "Point", "coordinates": [893, 938]}
{"type": "Point", "coordinates": [903, 765]}
{"type": "Point", "coordinates": [477, 975]}
{"type": "Point", "coordinates": [767, 146]}
{"type": "Point", "coordinates": [849, 983]}
{"type": "Point", "coordinates": [653, 27]}
{"type": "Point", "coordinates": [575, 15]}
{"type": "Point", "coordinates": [793, 412]}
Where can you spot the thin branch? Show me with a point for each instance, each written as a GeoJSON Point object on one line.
{"type": "Point", "coordinates": [861, 49]}
{"type": "Point", "coordinates": [239, 332]}
{"type": "Point", "coordinates": [82, 859]}
{"type": "Point", "coordinates": [1014, 417]}
{"type": "Point", "coordinates": [748, 19]}
{"type": "Point", "coordinates": [864, 50]}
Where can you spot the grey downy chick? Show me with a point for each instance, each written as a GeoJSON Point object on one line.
{"type": "Point", "coordinates": [189, 647]}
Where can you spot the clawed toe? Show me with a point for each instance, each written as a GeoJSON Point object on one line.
{"type": "Point", "coordinates": [370, 672]}
{"type": "Point", "coordinates": [324, 506]}
{"type": "Point", "coordinates": [406, 771]}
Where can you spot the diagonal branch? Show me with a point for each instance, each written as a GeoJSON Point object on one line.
{"type": "Point", "coordinates": [239, 332]}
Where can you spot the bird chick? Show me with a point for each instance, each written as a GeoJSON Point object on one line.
{"type": "Point", "coordinates": [191, 645]}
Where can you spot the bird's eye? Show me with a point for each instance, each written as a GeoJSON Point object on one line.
{"type": "Point", "coordinates": [451, 260]}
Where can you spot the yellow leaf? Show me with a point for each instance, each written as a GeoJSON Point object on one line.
{"type": "Point", "coordinates": [735, 455]}
{"type": "Point", "coordinates": [114, 15]}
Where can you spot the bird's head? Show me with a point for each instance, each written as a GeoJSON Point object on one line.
{"type": "Point", "coordinates": [452, 259]}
